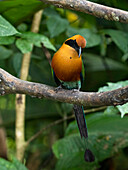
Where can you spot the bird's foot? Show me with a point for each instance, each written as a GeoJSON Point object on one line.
{"type": "Point", "coordinates": [58, 88]}
{"type": "Point", "coordinates": [75, 90]}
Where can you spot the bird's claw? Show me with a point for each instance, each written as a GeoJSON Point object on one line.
{"type": "Point", "coordinates": [58, 88]}
{"type": "Point", "coordinates": [75, 90]}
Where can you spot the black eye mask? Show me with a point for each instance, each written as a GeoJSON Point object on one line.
{"type": "Point", "coordinates": [73, 44]}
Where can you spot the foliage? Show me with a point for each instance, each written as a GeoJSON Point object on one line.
{"type": "Point", "coordinates": [112, 86]}
{"type": "Point", "coordinates": [14, 165]}
{"type": "Point", "coordinates": [106, 60]}
{"type": "Point", "coordinates": [104, 142]}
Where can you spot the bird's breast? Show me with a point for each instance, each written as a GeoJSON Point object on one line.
{"type": "Point", "coordinates": [67, 65]}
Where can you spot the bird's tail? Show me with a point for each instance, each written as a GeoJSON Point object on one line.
{"type": "Point", "coordinates": [81, 122]}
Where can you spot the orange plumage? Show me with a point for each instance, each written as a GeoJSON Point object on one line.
{"type": "Point", "coordinates": [68, 72]}
{"type": "Point", "coordinates": [66, 62]}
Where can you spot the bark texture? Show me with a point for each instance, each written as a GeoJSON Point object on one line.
{"type": "Point", "coordinates": [91, 8]}
{"type": "Point", "coordinates": [12, 85]}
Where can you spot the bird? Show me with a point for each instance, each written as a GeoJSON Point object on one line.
{"type": "Point", "coordinates": [68, 72]}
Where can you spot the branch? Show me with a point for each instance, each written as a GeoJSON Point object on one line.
{"type": "Point", "coordinates": [92, 8]}
{"type": "Point", "coordinates": [46, 127]}
{"type": "Point", "coordinates": [47, 53]}
{"type": "Point", "coordinates": [12, 85]}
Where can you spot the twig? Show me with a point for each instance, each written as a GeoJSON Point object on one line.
{"type": "Point", "coordinates": [91, 8]}
{"type": "Point", "coordinates": [47, 53]}
{"type": "Point", "coordinates": [95, 109]}
{"type": "Point", "coordinates": [60, 121]}
{"type": "Point", "coordinates": [48, 126]}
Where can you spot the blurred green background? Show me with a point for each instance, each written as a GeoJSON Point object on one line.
{"type": "Point", "coordinates": [106, 60]}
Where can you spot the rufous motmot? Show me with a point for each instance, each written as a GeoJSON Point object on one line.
{"type": "Point", "coordinates": [68, 71]}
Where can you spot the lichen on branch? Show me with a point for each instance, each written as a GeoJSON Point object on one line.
{"type": "Point", "coordinates": [92, 8]}
{"type": "Point", "coordinates": [12, 85]}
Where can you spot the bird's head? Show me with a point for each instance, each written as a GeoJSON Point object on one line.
{"type": "Point", "coordinates": [80, 40]}
{"type": "Point", "coordinates": [77, 42]}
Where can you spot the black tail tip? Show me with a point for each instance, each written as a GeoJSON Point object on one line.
{"type": "Point", "coordinates": [88, 156]}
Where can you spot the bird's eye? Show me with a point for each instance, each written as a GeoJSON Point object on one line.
{"type": "Point", "coordinates": [70, 57]}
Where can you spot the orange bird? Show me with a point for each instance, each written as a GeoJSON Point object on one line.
{"type": "Point", "coordinates": [68, 72]}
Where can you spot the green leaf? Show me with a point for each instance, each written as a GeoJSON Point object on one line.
{"type": "Point", "coordinates": [17, 60]}
{"type": "Point", "coordinates": [111, 110]}
{"type": "Point", "coordinates": [120, 38]}
{"type": "Point", "coordinates": [5, 53]}
{"type": "Point", "coordinates": [37, 39]}
{"type": "Point", "coordinates": [95, 63]}
{"type": "Point", "coordinates": [75, 162]}
{"type": "Point", "coordinates": [92, 38]}
{"type": "Point", "coordinates": [22, 27]}
{"type": "Point", "coordinates": [24, 45]}
{"type": "Point", "coordinates": [17, 11]}
{"type": "Point", "coordinates": [50, 12]}
{"type": "Point", "coordinates": [56, 25]}
{"type": "Point", "coordinates": [123, 109]}
{"type": "Point", "coordinates": [70, 152]}
{"type": "Point", "coordinates": [7, 40]}
{"type": "Point", "coordinates": [14, 165]}
{"type": "Point", "coordinates": [18, 164]}
{"type": "Point", "coordinates": [106, 137]}
{"type": "Point", "coordinates": [125, 57]}
{"type": "Point", "coordinates": [112, 86]}
{"type": "Point", "coordinates": [6, 165]}
{"type": "Point", "coordinates": [6, 29]}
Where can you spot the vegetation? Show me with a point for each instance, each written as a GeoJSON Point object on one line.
{"type": "Point", "coordinates": [106, 68]}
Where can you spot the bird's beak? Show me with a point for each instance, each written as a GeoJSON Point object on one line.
{"type": "Point", "coordinates": [79, 51]}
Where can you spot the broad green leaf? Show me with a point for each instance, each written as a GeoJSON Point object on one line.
{"type": "Point", "coordinates": [24, 45]}
{"type": "Point", "coordinates": [125, 57]}
{"type": "Point", "coordinates": [119, 37]}
{"type": "Point", "coordinates": [37, 39]}
{"type": "Point", "coordinates": [14, 165]}
{"type": "Point", "coordinates": [112, 86]}
{"type": "Point", "coordinates": [6, 165]}
{"type": "Point", "coordinates": [17, 11]}
{"type": "Point", "coordinates": [111, 110]}
{"type": "Point", "coordinates": [95, 63]}
{"type": "Point", "coordinates": [6, 29]}
{"type": "Point", "coordinates": [56, 25]}
{"type": "Point", "coordinates": [22, 27]}
{"type": "Point", "coordinates": [106, 137]}
{"type": "Point", "coordinates": [50, 12]}
{"type": "Point", "coordinates": [92, 38]}
{"type": "Point", "coordinates": [33, 56]}
{"type": "Point", "coordinates": [75, 162]}
{"type": "Point", "coordinates": [70, 152]}
{"type": "Point", "coordinates": [5, 53]}
{"type": "Point", "coordinates": [17, 59]}
{"type": "Point", "coordinates": [123, 109]}
{"type": "Point", "coordinates": [7, 40]}
{"type": "Point", "coordinates": [18, 164]}
{"type": "Point", "coordinates": [83, 31]}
